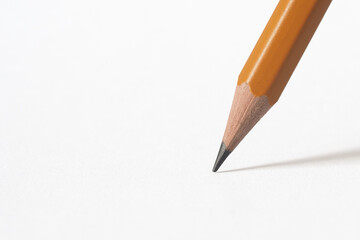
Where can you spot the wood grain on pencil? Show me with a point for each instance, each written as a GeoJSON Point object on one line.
{"type": "Point", "coordinates": [270, 67]}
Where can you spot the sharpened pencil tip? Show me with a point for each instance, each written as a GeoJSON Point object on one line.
{"type": "Point", "coordinates": [222, 155]}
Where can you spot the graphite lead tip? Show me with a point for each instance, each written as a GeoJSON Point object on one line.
{"type": "Point", "coordinates": [222, 155]}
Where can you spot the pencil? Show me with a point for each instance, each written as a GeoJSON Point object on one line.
{"type": "Point", "coordinates": [269, 67]}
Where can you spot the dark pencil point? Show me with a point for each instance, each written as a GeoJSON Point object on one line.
{"type": "Point", "coordinates": [222, 155]}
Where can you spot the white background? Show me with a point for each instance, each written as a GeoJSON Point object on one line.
{"type": "Point", "coordinates": [112, 113]}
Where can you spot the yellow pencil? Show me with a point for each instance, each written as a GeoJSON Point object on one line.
{"type": "Point", "coordinates": [270, 67]}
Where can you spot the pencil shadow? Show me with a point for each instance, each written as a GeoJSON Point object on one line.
{"type": "Point", "coordinates": [350, 155]}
